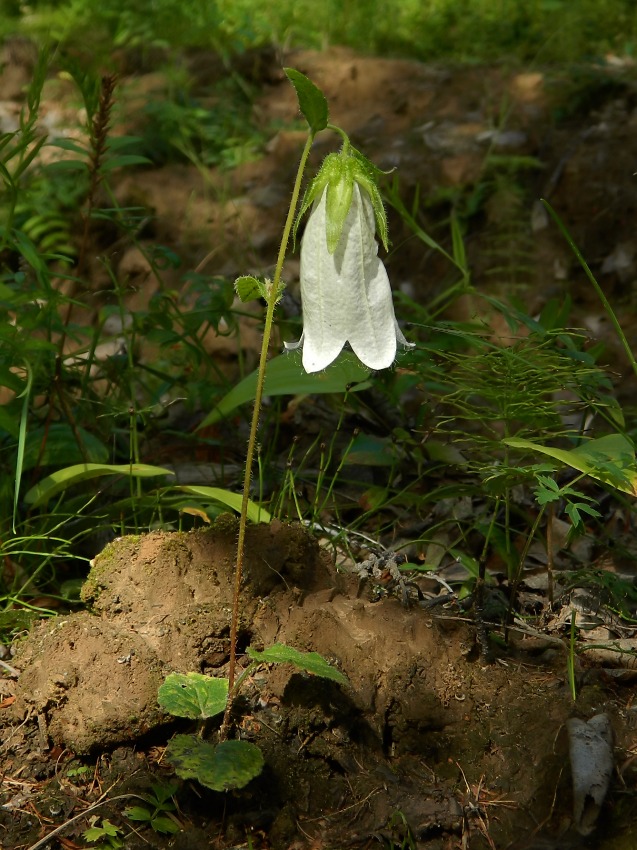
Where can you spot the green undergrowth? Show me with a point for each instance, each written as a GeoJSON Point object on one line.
{"type": "Point", "coordinates": [459, 464]}
{"type": "Point", "coordinates": [459, 454]}
{"type": "Point", "coordinates": [231, 763]}
{"type": "Point", "coordinates": [456, 30]}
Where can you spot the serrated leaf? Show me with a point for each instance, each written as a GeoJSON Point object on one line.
{"type": "Point", "coordinates": [231, 500]}
{"type": "Point", "coordinates": [231, 764]}
{"type": "Point", "coordinates": [93, 833]}
{"type": "Point", "coordinates": [193, 695]}
{"type": "Point", "coordinates": [64, 478]}
{"type": "Point", "coordinates": [309, 662]}
{"type": "Point", "coordinates": [285, 376]}
{"type": "Point", "coordinates": [312, 101]}
{"type": "Point", "coordinates": [248, 288]}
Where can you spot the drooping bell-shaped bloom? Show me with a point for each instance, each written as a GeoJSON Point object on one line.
{"type": "Point", "coordinates": [345, 290]}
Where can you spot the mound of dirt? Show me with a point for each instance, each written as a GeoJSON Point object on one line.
{"type": "Point", "coordinates": [422, 730]}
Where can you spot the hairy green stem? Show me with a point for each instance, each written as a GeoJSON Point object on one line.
{"type": "Point", "coordinates": [273, 297]}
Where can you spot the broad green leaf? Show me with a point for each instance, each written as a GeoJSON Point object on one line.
{"type": "Point", "coordinates": [248, 288]}
{"type": "Point", "coordinates": [28, 250]}
{"type": "Point", "coordinates": [138, 813]}
{"type": "Point", "coordinates": [231, 500]}
{"type": "Point", "coordinates": [163, 792]}
{"type": "Point", "coordinates": [610, 459]}
{"type": "Point", "coordinates": [9, 422]}
{"type": "Point", "coordinates": [312, 102]}
{"type": "Point", "coordinates": [368, 450]}
{"type": "Point", "coordinates": [110, 828]}
{"type": "Point", "coordinates": [61, 447]}
{"type": "Point", "coordinates": [94, 833]}
{"type": "Point", "coordinates": [231, 764]}
{"type": "Point", "coordinates": [285, 376]}
{"type": "Point", "coordinates": [193, 695]}
{"type": "Point", "coordinates": [309, 662]}
{"type": "Point", "coordinates": [64, 478]}
{"type": "Point", "coordinates": [468, 562]}
{"type": "Point", "coordinates": [10, 380]}
{"type": "Point", "coordinates": [164, 825]}
{"type": "Point", "coordinates": [7, 295]}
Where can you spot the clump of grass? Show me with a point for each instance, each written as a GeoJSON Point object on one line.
{"type": "Point", "coordinates": [64, 408]}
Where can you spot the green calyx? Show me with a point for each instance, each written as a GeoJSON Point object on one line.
{"type": "Point", "coordinates": [338, 173]}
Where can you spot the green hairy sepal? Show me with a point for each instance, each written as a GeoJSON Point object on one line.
{"type": "Point", "coordinates": [338, 173]}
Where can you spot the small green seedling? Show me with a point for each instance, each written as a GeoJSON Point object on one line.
{"type": "Point", "coordinates": [229, 764]}
{"type": "Point", "coordinates": [83, 772]}
{"type": "Point", "coordinates": [107, 834]}
{"type": "Point", "coordinates": [158, 815]}
{"type": "Point", "coordinates": [402, 838]}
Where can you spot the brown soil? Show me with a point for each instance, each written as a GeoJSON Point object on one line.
{"type": "Point", "coordinates": [425, 737]}
{"type": "Point", "coordinates": [466, 754]}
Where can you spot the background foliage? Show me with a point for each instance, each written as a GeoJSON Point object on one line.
{"type": "Point", "coordinates": [467, 30]}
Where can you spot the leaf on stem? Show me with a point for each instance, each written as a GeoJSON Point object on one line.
{"type": "Point", "coordinates": [64, 478]}
{"type": "Point", "coordinates": [312, 102]}
{"type": "Point", "coordinates": [231, 764]}
{"type": "Point", "coordinates": [610, 459]}
{"type": "Point", "coordinates": [286, 376]}
{"type": "Point", "coordinates": [193, 695]}
{"type": "Point", "coordinates": [309, 662]}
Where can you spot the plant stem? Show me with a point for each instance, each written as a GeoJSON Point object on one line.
{"type": "Point", "coordinates": [520, 568]}
{"type": "Point", "coordinates": [600, 292]}
{"type": "Point", "coordinates": [273, 297]}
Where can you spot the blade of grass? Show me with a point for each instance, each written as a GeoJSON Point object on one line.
{"type": "Point", "coordinates": [22, 438]}
{"type": "Point", "coordinates": [589, 274]}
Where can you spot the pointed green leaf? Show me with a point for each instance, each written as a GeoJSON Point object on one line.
{"type": "Point", "coordinates": [164, 825]}
{"type": "Point", "coordinates": [118, 143]}
{"type": "Point", "coordinates": [231, 500]}
{"type": "Point", "coordinates": [64, 478]}
{"type": "Point", "coordinates": [138, 813]}
{"type": "Point", "coordinates": [610, 459]}
{"type": "Point", "coordinates": [248, 288]}
{"type": "Point", "coordinates": [70, 145]}
{"type": "Point", "coordinates": [123, 160]}
{"type": "Point", "coordinates": [163, 792]}
{"type": "Point", "coordinates": [231, 764]}
{"type": "Point", "coordinates": [93, 833]}
{"type": "Point", "coordinates": [309, 662]}
{"type": "Point", "coordinates": [312, 102]}
{"type": "Point", "coordinates": [193, 695]}
{"type": "Point", "coordinates": [286, 376]}
{"type": "Point", "coordinates": [110, 828]}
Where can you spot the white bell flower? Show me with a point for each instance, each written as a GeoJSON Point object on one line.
{"type": "Point", "coordinates": [345, 291]}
